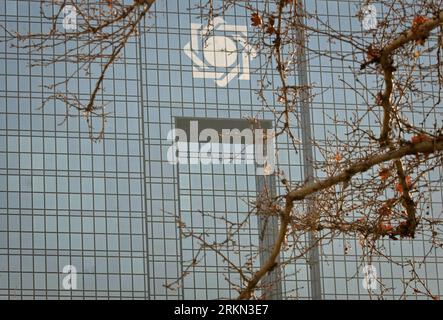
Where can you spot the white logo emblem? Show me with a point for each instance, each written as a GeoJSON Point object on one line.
{"type": "Point", "coordinates": [219, 59]}
{"type": "Point", "coordinates": [370, 17]}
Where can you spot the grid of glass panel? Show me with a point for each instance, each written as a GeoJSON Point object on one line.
{"type": "Point", "coordinates": [64, 199]}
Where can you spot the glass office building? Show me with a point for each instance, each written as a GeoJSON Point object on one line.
{"type": "Point", "coordinates": [109, 208]}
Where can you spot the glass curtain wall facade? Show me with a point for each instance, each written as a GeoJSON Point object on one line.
{"type": "Point", "coordinates": [110, 208]}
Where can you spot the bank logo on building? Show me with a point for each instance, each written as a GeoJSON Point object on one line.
{"type": "Point", "coordinates": [223, 55]}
